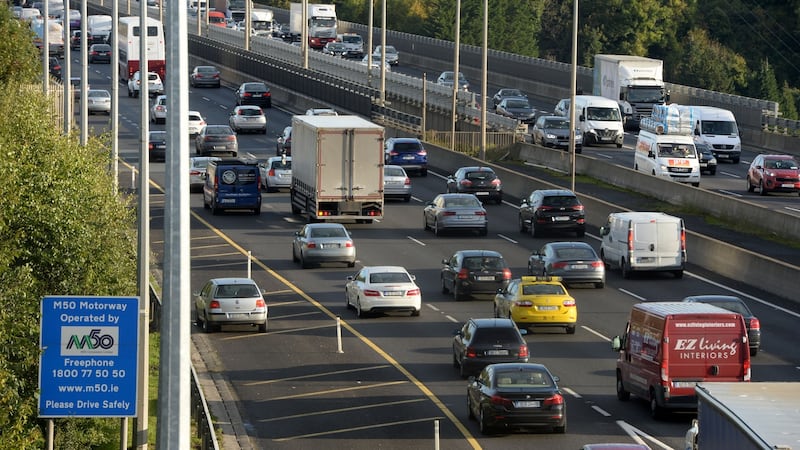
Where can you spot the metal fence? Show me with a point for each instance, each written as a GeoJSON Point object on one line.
{"type": "Point", "coordinates": [55, 99]}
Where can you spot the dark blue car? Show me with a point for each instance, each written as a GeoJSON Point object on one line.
{"type": "Point", "coordinates": [409, 153]}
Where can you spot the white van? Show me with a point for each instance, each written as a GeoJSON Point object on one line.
{"type": "Point", "coordinates": [670, 156]}
{"type": "Point", "coordinates": [643, 241]}
{"type": "Point", "coordinates": [599, 120]}
{"type": "Point", "coordinates": [717, 128]}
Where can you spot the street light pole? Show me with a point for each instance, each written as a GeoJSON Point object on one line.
{"type": "Point", "coordinates": [455, 76]}
{"type": "Point", "coordinates": [573, 87]}
{"type": "Point", "coordinates": [484, 77]}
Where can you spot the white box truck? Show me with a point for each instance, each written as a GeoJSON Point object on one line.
{"type": "Point", "coordinates": [337, 168]}
{"type": "Point", "coordinates": [717, 128]}
{"type": "Point", "coordinates": [98, 27]}
{"type": "Point", "coordinates": [261, 22]}
{"type": "Point", "coordinates": [635, 82]}
{"type": "Point", "coordinates": [599, 120]}
{"type": "Point", "coordinates": [665, 146]}
{"type": "Point", "coordinates": [643, 241]}
{"type": "Point", "coordinates": [321, 23]}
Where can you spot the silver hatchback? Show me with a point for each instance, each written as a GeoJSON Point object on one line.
{"type": "Point", "coordinates": [230, 301]}
{"type": "Point", "coordinates": [276, 173]}
{"type": "Point", "coordinates": [396, 183]}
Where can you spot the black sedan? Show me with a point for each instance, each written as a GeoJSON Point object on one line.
{"type": "Point", "coordinates": [736, 305]}
{"type": "Point", "coordinates": [708, 163]}
{"type": "Point", "coordinates": [517, 108]}
{"type": "Point", "coordinates": [480, 181]}
{"type": "Point", "coordinates": [471, 272]}
{"type": "Point", "coordinates": [157, 145]}
{"type": "Point", "coordinates": [485, 341]}
{"type": "Point", "coordinates": [335, 49]}
{"type": "Point", "coordinates": [574, 262]}
{"type": "Point", "coordinates": [516, 395]}
{"type": "Point", "coordinates": [100, 53]}
{"type": "Point", "coordinates": [254, 93]}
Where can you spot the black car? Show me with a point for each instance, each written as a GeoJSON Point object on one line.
{"type": "Point", "coordinates": [100, 53]}
{"type": "Point", "coordinates": [470, 272]}
{"type": "Point", "coordinates": [708, 163]}
{"type": "Point", "coordinates": [55, 68]}
{"type": "Point", "coordinates": [736, 305]}
{"type": "Point", "coordinates": [254, 93]}
{"type": "Point", "coordinates": [505, 396]}
{"type": "Point", "coordinates": [552, 210]}
{"type": "Point", "coordinates": [480, 181]}
{"type": "Point", "coordinates": [157, 145]}
{"type": "Point", "coordinates": [481, 342]}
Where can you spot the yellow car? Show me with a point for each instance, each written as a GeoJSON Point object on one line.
{"type": "Point", "coordinates": [540, 301]}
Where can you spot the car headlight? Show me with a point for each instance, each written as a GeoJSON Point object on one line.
{"type": "Point", "coordinates": [550, 136]}
{"type": "Point", "coordinates": [712, 161]}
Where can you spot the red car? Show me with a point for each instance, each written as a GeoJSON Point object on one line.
{"type": "Point", "coordinates": [773, 173]}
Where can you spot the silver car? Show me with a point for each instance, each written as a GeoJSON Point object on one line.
{"type": "Point", "coordinates": [553, 131]}
{"type": "Point", "coordinates": [455, 212]}
{"type": "Point", "coordinates": [248, 118]}
{"type": "Point", "coordinates": [276, 173]}
{"type": "Point", "coordinates": [396, 183]}
{"type": "Point", "coordinates": [323, 242]}
{"type": "Point", "coordinates": [574, 262]}
{"type": "Point", "coordinates": [197, 171]}
{"type": "Point", "coordinates": [230, 301]}
{"type": "Point", "coordinates": [98, 101]}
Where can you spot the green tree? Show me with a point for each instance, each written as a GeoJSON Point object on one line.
{"type": "Point", "coordinates": [765, 85]}
{"type": "Point", "coordinates": [789, 102]}
{"type": "Point", "coordinates": [18, 56]}
{"type": "Point", "coordinates": [727, 74]}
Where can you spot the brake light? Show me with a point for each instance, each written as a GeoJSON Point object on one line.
{"type": "Point", "coordinates": [471, 353]}
{"type": "Point", "coordinates": [480, 213]}
{"type": "Point", "coordinates": [247, 94]}
{"type": "Point", "coordinates": [411, 292]}
{"type": "Point", "coordinates": [422, 153]}
{"type": "Point", "coordinates": [463, 274]}
{"type": "Point", "coordinates": [523, 303]}
{"type": "Point", "coordinates": [94, 52]}
{"type": "Point", "coordinates": [506, 274]}
{"type": "Point", "coordinates": [149, 145]}
{"type": "Point", "coordinates": [271, 172]}
{"type": "Point", "coordinates": [502, 401]}
{"type": "Point", "coordinates": [465, 183]}
{"type": "Point", "coordinates": [371, 293]}
{"type": "Point", "coordinates": [260, 303]}
{"type": "Point", "coordinates": [543, 208]}
{"type": "Point", "coordinates": [746, 367]}
{"type": "Point", "coordinates": [348, 244]}
{"type": "Point", "coordinates": [214, 304]}
{"type": "Point", "coordinates": [496, 182]}
{"type": "Point", "coordinates": [523, 351]}
{"type": "Point", "coordinates": [407, 182]}
{"type": "Point", "coordinates": [683, 239]}
{"type": "Point", "coordinates": [559, 265]}
{"type": "Point", "coordinates": [241, 112]}
{"type": "Point", "coordinates": [311, 245]}
{"type": "Point", "coordinates": [393, 153]}
{"type": "Point", "coordinates": [195, 173]}
{"type": "Point", "coordinates": [665, 369]}
{"type": "Point", "coordinates": [556, 399]}
{"type": "Point", "coordinates": [755, 324]}
{"type": "Point", "coordinates": [597, 264]}
{"type": "Point", "coordinates": [568, 303]}
{"type": "Point", "coordinates": [449, 213]}
{"type": "Point", "coordinates": [578, 207]}
{"type": "Point", "coordinates": [630, 240]}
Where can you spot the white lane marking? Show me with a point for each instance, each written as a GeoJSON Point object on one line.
{"type": "Point", "coordinates": [507, 238]}
{"type": "Point", "coordinates": [734, 194]}
{"type": "Point", "coordinates": [417, 241]}
{"type": "Point", "coordinates": [417, 199]}
{"type": "Point", "coordinates": [742, 294]}
{"type": "Point", "coordinates": [596, 333]}
{"type": "Point", "coordinates": [571, 392]}
{"type": "Point", "coordinates": [635, 434]}
{"type": "Point", "coordinates": [451, 319]}
{"type": "Point", "coordinates": [510, 204]}
{"type": "Point", "coordinates": [624, 291]}
{"type": "Point", "coordinates": [729, 174]}
{"type": "Point", "coordinates": [602, 411]}
{"type": "Point", "coordinates": [605, 156]}
{"type": "Point", "coordinates": [792, 209]}
{"type": "Point", "coordinates": [432, 307]}
{"type": "Point", "coordinates": [223, 107]}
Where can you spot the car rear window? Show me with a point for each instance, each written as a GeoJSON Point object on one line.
{"type": "Point", "coordinates": [486, 336]}
{"type": "Point", "coordinates": [407, 146]}
{"type": "Point", "coordinates": [484, 263]}
{"type": "Point", "coordinates": [560, 201]}
{"type": "Point", "coordinates": [327, 232]}
{"type": "Point", "coordinates": [195, 117]}
{"type": "Point", "coordinates": [481, 175]}
{"type": "Point", "coordinates": [281, 165]}
{"type": "Point", "coordinates": [523, 378]}
{"type": "Point", "coordinates": [236, 291]}
{"type": "Point", "coordinates": [732, 306]}
{"type": "Point", "coordinates": [394, 172]}
{"type": "Point", "coordinates": [575, 253]}
{"type": "Point", "coordinates": [389, 277]}
{"type": "Point", "coordinates": [542, 289]}
{"type": "Point", "coordinates": [461, 202]}
{"type": "Point", "coordinates": [251, 112]}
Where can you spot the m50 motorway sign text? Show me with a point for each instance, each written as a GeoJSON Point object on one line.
{"type": "Point", "coordinates": [88, 365]}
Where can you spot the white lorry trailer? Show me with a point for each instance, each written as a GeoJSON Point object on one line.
{"type": "Point", "coordinates": [746, 416]}
{"type": "Point", "coordinates": [636, 82]}
{"type": "Point", "coordinates": [321, 19]}
{"type": "Point", "coordinates": [337, 168]}
{"type": "Point", "coordinates": [262, 22]}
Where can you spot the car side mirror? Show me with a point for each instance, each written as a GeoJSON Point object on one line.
{"type": "Point", "coordinates": [603, 231]}
{"type": "Point", "coordinates": [472, 379]}
{"type": "Point", "coordinates": [297, 233]}
{"type": "Point", "coordinates": [445, 262]}
{"type": "Point", "coordinates": [650, 154]}
{"type": "Point", "coordinates": [697, 132]}
{"type": "Point", "coordinates": [581, 118]}
{"type": "Point", "coordinates": [616, 343]}
{"type": "Point", "coordinates": [413, 277]}
{"type": "Point", "coordinates": [458, 333]}
{"type": "Point", "coordinates": [501, 291]}
{"type": "Point", "coordinates": [556, 378]}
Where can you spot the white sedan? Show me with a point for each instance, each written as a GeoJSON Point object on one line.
{"type": "Point", "coordinates": [383, 288]}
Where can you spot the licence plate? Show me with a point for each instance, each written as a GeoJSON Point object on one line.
{"type": "Point", "coordinates": [237, 316]}
{"type": "Point", "coordinates": [703, 164]}
{"type": "Point", "coordinates": [481, 193]}
{"type": "Point", "coordinates": [787, 185]}
{"type": "Point", "coordinates": [496, 352]}
{"type": "Point", "coordinates": [219, 147]}
{"type": "Point", "coordinates": [579, 266]}
{"type": "Point", "coordinates": [464, 217]}
{"type": "Point", "coordinates": [256, 95]}
{"type": "Point", "coordinates": [527, 404]}
{"type": "Point", "coordinates": [646, 259]}
{"type": "Point", "coordinates": [547, 308]}
{"type": "Point", "coordinates": [408, 157]}
{"type": "Point", "coordinates": [561, 218]}
{"type": "Point", "coordinates": [684, 384]}
{"type": "Point", "coordinates": [484, 278]}
{"type": "Point", "coordinates": [392, 293]}
{"type": "Point", "coordinates": [228, 200]}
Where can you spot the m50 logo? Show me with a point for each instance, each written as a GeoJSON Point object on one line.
{"type": "Point", "coordinates": [87, 341]}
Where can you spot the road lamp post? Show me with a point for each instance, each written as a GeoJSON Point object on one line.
{"type": "Point", "coordinates": [455, 76]}
{"type": "Point", "coordinates": [573, 82]}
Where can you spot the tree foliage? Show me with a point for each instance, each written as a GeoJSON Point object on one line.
{"type": "Point", "coordinates": [18, 56]}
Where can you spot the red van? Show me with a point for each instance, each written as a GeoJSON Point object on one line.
{"type": "Point", "coordinates": [216, 18]}
{"type": "Point", "coordinates": [668, 347]}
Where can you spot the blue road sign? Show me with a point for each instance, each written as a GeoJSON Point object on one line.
{"type": "Point", "coordinates": [89, 356]}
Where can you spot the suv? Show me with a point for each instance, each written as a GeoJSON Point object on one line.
{"type": "Point", "coordinates": [158, 112]}
{"type": "Point", "coordinates": [354, 45]}
{"type": "Point", "coordinates": [232, 183]}
{"type": "Point", "coordinates": [773, 173]}
{"type": "Point", "coordinates": [481, 342]}
{"type": "Point", "coordinates": [408, 153]}
{"type": "Point", "coordinates": [552, 209]}
{"type": "Point", "coordinates": [470, 272]}
{"type": "Point", "coordinates": [154, 84]}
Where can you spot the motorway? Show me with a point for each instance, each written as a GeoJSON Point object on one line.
{"type": "Point", "coordinates": [393, 379]}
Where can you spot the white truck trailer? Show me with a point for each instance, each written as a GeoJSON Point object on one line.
{"type": "Point", "coordinates": [746, 416]}
{"type": "Point", "coordinates": [321, 19]}
{"type": "Point", "coordinates": [262, 22]}
{"type": "Point", "coordinates": [636, 82]}
{"type": "Point", "coordinates": [337, 168]}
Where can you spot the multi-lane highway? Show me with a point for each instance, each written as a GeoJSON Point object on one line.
{"type": "Point", "coordinates": [393, 379]}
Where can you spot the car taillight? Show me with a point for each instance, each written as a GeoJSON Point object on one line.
{"type": "Point", "coordinates": [746, 368]}
{"type": "Point", "coordinates": [393, 153]}
{"type": "Point", "coordinates": [195, 173]}
{"type": "Point", "coordinates": [523, 303]}
{"type": "Point", "coordinates": [241, 112]}
{"type": "Point", "coordinates": [463, 274]}
{"type": "Point", "coordinates": [371, 293]}
{"type": "Point", "coordinates": [407, 182]}
{"type": "Point", "coordinates": [268, 94]}
{"type": "Point", "coordinates": [596, 264]}
{"type": "Point", "coordinates": [523, 351]}
{"type": "Point", "coordinates": [559, 265]}
{"type": "Point", "coordinates": [506, 273]}
{"type": "Point", "coordinates": [501, 401]}
{"type": "Point", "coordinates": [449, 213]}
{"type": "Point", "coordinates": [149, 145]}
{"type": "Point", "coordinates": [247, 94]}
{"type": "Point", "coordinates": [556, 399]}
{"type": "Point", "coordinates": [480, 213]}
{"type": "Point", "coordinates": [630, 240]}
{"type": "Point", "coordinates": [543, 208]}
{"type": "Point", "coordinates": [311, 245]}
{"type": "Point", "coordinates": [578, 207]}
{"type": "Point", "coordinates": [411, 292]}
{"type": "Point", "coordinates": [260, 303]}
{"type": "Point", "coordinates": [496, 182]}
{"type": "Point", "coordinates": [348, 244]}
{"type": "Point", "coordinates": [214, 304]}
{"type": "Point", "coordinates": [422, 153]}
{"type": "Point", "coordinates": [465, 183]}
{"type": "Point", "coordinates": [471, 353]}
{"type": "Point", "coordinates": [94, 52]}
{"type": "Point", "coordinates": [568, 303]}
{"type": "Point", "coordinates": [271, 172]}
{"type": "Point", "coordinates": [755, 324]}
{"type": "Point", "coordinates": [230, 138]}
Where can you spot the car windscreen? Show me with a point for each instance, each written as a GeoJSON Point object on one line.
{"type": "Point", "coordinates": [557, 124]}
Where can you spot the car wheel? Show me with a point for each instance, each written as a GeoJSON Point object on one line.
{"type": "Point", "coordinates": [360, 312]}
{"type": "Point", "coordinates": [521, 223]}
{"type": "Point", "coordinates": [735, 160]}
{"type": "Point", "coordinates": [416, 312]}
{"type": "Point", "coordinates": [207, 327]}
{"type": "Point", "coordinates": [599, 285]}
{"type": "Point", "coordinates": [425, 226]}
{"type": "Point", "coordinates": [750, 187]}
{"type": "Point", "coordinates": [303, 263]}
{"type": "Point", "coordinates": [496, 314]}
{"type": "Point", "coordinates": [622, 394]}
{"type": "Point", "coordinates": [347, 304]}
{"type": "Point", "coordinates": [262, 327]}
{"type": "Point", "coordinates": [351, 263]}
{"type": "Point", "coordinates": [215, 210]}
{"type": "Point", "coordinates": [570, 329]}
{"type": "Point", "coordinates": [455, 360]}
{"type": "Point", "coordinates": [264, 131]}
{"type": "Point", "coordinates": [761, 188]}
{"type": "Point", "coordinates": [483, 424]}
{"type": "Point", "coordinates": [268, 188]}
{"type": "Point", "coordinates": [470, 413]}
{"type": "Point", "coordinates": [457, 296]}
{"type": "Point", "coordinates": [294, 255]}
{"type": "Point", "coordinates": [656, 411]}
{"type": "Point", "coordinates": [623, 267]}
{"type": "Point", "coordinates": [533, 230]}
{"type": "Point", "coordinates": [753, 351]}
{"type": "Point", "coordinates": [407, 198]}
{"type": "Point", "coordinates": [436, 230]}
{"type": "Point", "coordinates": [580, 233]}
{"type": "Point", "coordinates": [484, 231]}
{"type": "Point", "coordinates": [424, 172]}
{"type": "Point", "coordinates": [561, 429]}
{"type": "Point", "coordinates": [712, 172]}
{"type": "Point", "coordinates": [678, 274]}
